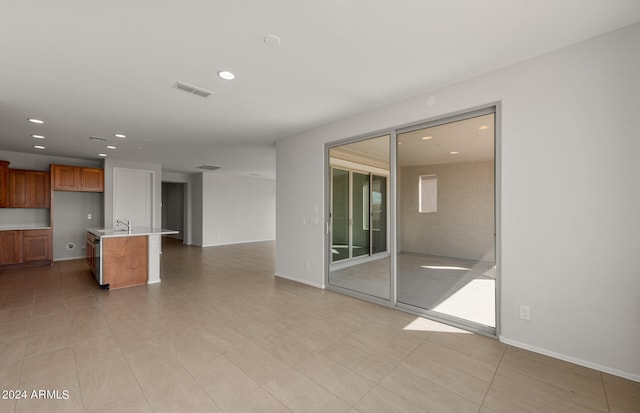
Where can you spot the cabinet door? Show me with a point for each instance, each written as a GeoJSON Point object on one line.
{"type": "Point", "coordinates": [37, 245]}
{"type": "Point", "coordinates": [10, 247]}
{"type": "Point", "coordinates": [93, 179]}
{"type": "Point", "coordinates": [40, 193]}
{"type": "Point", "coordinates": [19, 188]}
{"type": "Point", "coordinates": [66, 178]}
{"type": "Point", "coordinates": [4, 184]}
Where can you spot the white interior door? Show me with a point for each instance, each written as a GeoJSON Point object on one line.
{"type": "Point", "coordinates": [133, 196]}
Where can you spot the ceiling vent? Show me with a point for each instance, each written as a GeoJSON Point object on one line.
{"type": "Point", "coordinates": [192, 89]}
{"type": "Point", "coordinates": [209, 167]}
{"type": "Point", "coordinates": [98, 139]}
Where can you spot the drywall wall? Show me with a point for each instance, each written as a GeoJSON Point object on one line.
{"type": "Point", "coordinates": [156, 202]}
{"type": "Point", "coordinates": [463, 225]}
{"type": "Point", "coordinates": [237, 209]}
{"type": "Point", "coordinates": [70, 209]}
{"type": "Point", "coordinates": [568, 196]}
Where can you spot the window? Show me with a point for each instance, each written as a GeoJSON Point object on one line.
{"type": "Point", "coordinates": [428, 194]}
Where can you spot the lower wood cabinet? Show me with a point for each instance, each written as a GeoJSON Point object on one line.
{"type": "Point", "coordinates": [25, 246]}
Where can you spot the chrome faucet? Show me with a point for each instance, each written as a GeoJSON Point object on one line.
{"type": "Point", "coordinates": [124, 222]}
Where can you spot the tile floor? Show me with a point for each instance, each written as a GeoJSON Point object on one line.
{"type": "Point", "coordinates": [222, 334]}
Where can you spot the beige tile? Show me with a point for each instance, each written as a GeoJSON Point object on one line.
{"type": "Point", "coordinates": [13, 330]}
{"type": "Point", "coordinates": [538, 392]}
{"type": "Point", "coordinates": [426, 394]}
{"type": "Point", "coordinates": [179, 393]}
{"type": "Point", "coordinates": [366, 364]}
{"type": "Point", "coordinates": [15, 314]}
{"type": "Point", "coordinates": [379, 400]}
{"type": "Point", "coordinates": [552, 362]}
{"type": "Point", "coordinates": [104, 383]}
{"type": "Point", "coordinates": [390, 343]}
{"type": "Point", "coordinates": [60, 395]}
{"type": "Point", "coordinates": [139, 338]}
{"type": "Point", "coordinates": [222, 337]}
{"type": "Point", "coordinates": [222, 380]}
{"type": "Point", "coordinates": [295, 346]}
{"type": "Point", "coordinates": [255, 325]}
{"type": "Point", "coordinates": [580, 384]}
{"type": "Point", "coordinates": [96, 351]}
{"type": "Point", "coordinates": [55, 321]}
{"type": "Point", "coordinates": [44, 309]}
{"type": "Point", "coordinates": [256, 401]}
{"type": "Point", "coordinates": [257, 363]}
{"type": "Point", "coordinates": [13, 350]}
{"type": "Point", "coordinates": [339, 380]}
{"type": "Point", "coordinates": [132, 403]}
{"type": "Point", "coordinates": [475, 367]}
{"type": "Point", "coordinates": [153, 363]}
{"type": "Point", "coordinates": [49, 340]}
{"type": "Point", "coordinates": [500, 400]}
{"type": "Point", "coordinates": [623, 395]}
{"type": "Point", "coordinates": [191, 349]}
{"type": "Point", "coordinates": [441, 373]}
{"type": "Point", "coordinates": [483, 348]}
{"type": "Point", "coordinates": [7, 406]}
{"type": "Point", "coordinates": [300, 394]}
{"type": "Point", "coordinates": [10, 375]}
{"type": "Point", "coordinates": [47, 367]}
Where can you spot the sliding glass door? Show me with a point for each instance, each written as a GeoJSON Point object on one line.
{"type": "Point", "coordinates": [359, 217]}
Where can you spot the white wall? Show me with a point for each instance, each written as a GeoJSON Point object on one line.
{"type": "Point", "coordinates": [569, 191]}
{"type": "Point", "coordinates": [109, 165]}
{"type": "Point", "coordinates": [463, 225]}
{"type": "Point", "coordinates": [236, 209]}
{"type": "Point", "coordinates": [70, 209]}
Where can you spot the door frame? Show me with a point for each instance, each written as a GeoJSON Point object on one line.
{"type": "Point", "coordinates": [492, 107]}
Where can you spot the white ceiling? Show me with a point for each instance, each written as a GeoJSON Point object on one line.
{"type": "Point", "coordinates": [91, 67]}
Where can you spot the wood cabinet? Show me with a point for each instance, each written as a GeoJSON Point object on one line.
{"type": "Point", "coordinates": [29, 189]}
{"type": "Point", "coordinates": [10, 247]}
{"type": "Point", "coordinates": [125, 261]}
{"type": "Point", "coordinates": [4, 184]}
{"type": "Point", "coordinates": [25, 246]}
{"type": "Point", "coordinates": [36, 245]}
{"type": "Point", "coordinates": [76, 178]}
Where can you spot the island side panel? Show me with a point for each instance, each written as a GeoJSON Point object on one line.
{"type": "Point", "coordinates": [125, 261]}
{"type": "Point", "coordinates": [155, 243]}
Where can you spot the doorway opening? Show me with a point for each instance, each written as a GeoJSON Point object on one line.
{"type": "Point", "coordinates": [174, 208]}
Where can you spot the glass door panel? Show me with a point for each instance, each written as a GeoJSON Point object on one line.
{"type": "Point", "coordinates": [360, 216]}
{"type": "Point", "coordinates": [446, 220]}
{"type": "Point", "coordinates": [339, 214]}
{"type": "Point", "coordinates": [378, 214]}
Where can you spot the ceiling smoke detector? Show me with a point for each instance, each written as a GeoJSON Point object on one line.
{"type": "Point", "coordinates": [198, 91]}
{"type": "Point", "coordinates": [209, 167]}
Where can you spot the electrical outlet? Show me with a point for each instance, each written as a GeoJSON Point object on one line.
{"type": "Point", "coordinates": [525, 312]}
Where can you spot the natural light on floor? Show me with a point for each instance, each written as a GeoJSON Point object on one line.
{"type": "Point", "coordinates": [473, 302]}
{"type": "Point", "coordinates": [424, 324]}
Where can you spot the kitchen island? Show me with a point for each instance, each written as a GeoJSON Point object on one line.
{"type": "Point", "coordinates": [124, 258]}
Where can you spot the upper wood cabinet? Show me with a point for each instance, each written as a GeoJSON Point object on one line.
{"type": "Point", "coordinates": [4, 184]}
{"type": "Point", "coordinates": [76, 178]}
{"type": "Point", "coordinates": [29, 189]}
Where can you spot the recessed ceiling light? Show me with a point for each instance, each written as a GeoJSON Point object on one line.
{"type": "Point", "coordinates": [102, 154]}
{"type": "Point", "coordinates": [38, 146]}
{"type": "Point", "coordinates": [226, 75]}
{"type": "Point", "coordinates": [37, 136]}
{"type": "Point", "coordinates": [38, 121]}
{"type": "Point", "coordinates": [483, 127]}
{"type": "Point", "coordinates": [119, 135]}
{"type": "Point", "coordinates": [110, 147]}
{"type": "Point", "coordinates": [426, 138]}
{"type": "Point", "coordinates": [454, 153]}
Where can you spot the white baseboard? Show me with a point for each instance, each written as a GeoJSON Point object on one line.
{"type": "Point", "coordinates": [580, 362]}
{"type": "Point", "coordinates": [300, 280]}
{"type": "Point", "coordinates": [69, 258]}
{"type": "Point", "coordinates": [235, 243]}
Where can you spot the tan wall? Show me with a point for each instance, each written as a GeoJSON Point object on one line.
{"type": "Point", "coordinates": [463, 226]}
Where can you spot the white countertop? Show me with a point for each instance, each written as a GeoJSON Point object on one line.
{"type": "Point", "coordinates": [21, 227]}
{"type": "Point", "coordinates": [135, 231]}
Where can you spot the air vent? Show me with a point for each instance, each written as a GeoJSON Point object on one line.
{"type": "Point", "coordinates": [192, 89]}
{"type": "Point", "coordinates": [209, 167]}
{"type": "Point", "coordinates": [98, 139]}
